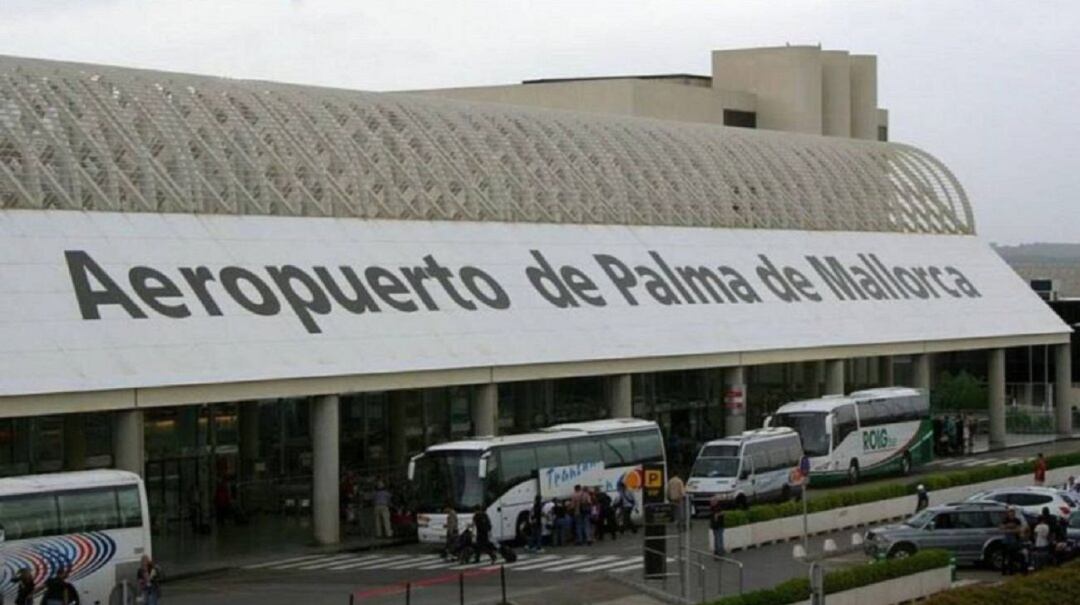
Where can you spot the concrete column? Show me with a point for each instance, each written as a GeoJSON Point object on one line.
{"type": "Point", "coordinates": [325, 468]}
{"type": "Point", "coordinates": [834, 377]}
{"type": "Point", "coordinates": [1062, 387]}
{"type": "Point", "coordinates": [620, 396]}
{"type": "Point", "coordinates": [873, 371]}
{"type": "Point", "coordinates": [74, 442]}
{"type": "Point", "coordinates": [819, 378]}
{"type": "Point", "coordinates": [996, 379]}
{"type": "Point", "coordinates": [396, 402]}
{"type": "Point", "coordinates": [886, 374]}
{"type": "Point", "coordinates": [485, 409]}
{"type": "Point", "coordinates": [734, 400]}
{"type": "Point", "coordinates": [249, 438]}
{"type": "Point", "coordinates": [920, 371]}
{"type": "Point", "coordinates": [129, 451]}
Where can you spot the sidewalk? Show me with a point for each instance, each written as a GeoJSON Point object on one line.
{"type": "Point", "coordinates": [267, 537]}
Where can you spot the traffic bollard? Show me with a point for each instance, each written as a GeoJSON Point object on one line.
{"type": "Point", "coordinates": [502, 581]}
{"type": "Point", "coordinates": [461, 587]}
{"type": "Point", "coordinates": [408, 593]}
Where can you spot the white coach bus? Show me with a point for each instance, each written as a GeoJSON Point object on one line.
{"type": "Point", "coordinates": [869, 432]}
{"type": "Point", "coordinates": [504, 474]}
{"type": "Point", "coordinates": [93, 523]}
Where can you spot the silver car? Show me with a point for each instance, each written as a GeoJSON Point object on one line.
{"type": "Point", "coordinates": [968, 530]}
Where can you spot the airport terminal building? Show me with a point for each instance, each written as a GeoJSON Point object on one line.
{"type": "Point", "coordinates": [205, 279]}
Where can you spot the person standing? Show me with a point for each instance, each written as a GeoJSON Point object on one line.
{"type": "Point", "coordinates": [922, 498]}
{"type": "Point", "coordinates": [58, 591]}
{"type": "Point", "coordinates": [149, 577]}
{"type": "Point", "coordinates": [969, 422]}
{"type": "Point", "coordinates": [451, 530]}
{"type": "Point", "coordinates": [222, 500]}
{"type": "Point", "coordinates": [380, 501]}
{"type": "Point", "coordinates": [676, 493]}
{"type": "Point", "coordinates": [24, 594]}
{"type": "Point", "coordinates": [563, 521]}
{"type": "Point", "coordinates": [716, 524]}
{"type": "Point", "coordinates": [606, 517]}
{"type": "Point", "coordinates": [1042, 540]}
{"type": "Point", "coordinates": [580, 506]}
{"type": "Point", "coordinates": [1011, 527]}
{"type": "Point", "coordinates": [1040, 470]}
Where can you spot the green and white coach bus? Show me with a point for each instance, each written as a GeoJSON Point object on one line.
{"type": "Point", "coordinates": [870, 432]}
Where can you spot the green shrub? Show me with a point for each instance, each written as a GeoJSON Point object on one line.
{"type": "Point", "coordinates": [798, 589]}
{"type": "Point", "coordinates": [1048, 587]}
{"type": "Point", "coordinates": [960, 391]}
{"type": "Point", "coordinates": [937, 481]}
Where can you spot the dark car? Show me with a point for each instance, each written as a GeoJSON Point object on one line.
{"type": "Point", "coordinates": [969, 530]}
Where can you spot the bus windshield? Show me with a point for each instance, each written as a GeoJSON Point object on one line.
{"type": "Point", "coordinates": [447, 477]}
{"type": "Point", "coordinates": [712, 468]}
{"type": "Point", "coordinates": [811, 429]}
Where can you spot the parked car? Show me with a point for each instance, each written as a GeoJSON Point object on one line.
{"type": "Point", "coordinates": [969, 530]}
{"type": "Point", "coordinates": [1031, 500]}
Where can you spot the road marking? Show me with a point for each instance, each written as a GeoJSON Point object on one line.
{"type": "Point", "coordinates": [537, 565]}
{"type": "Point", "coordinates": [526, 561]}
{"type": "Point", "coordinates": [575, 564]}
{"type": "Point", "coordinates": [283, 561]}
{"type": "Point", "coordinates": [391, 560]}
{"type": "Point", "coordinates": [415, 561]}
{"type": "Point", "coordinates": [621, 562]}
{"type": "Point", "coordinates": [323, 562]}
{"type": "Point", "coordinates": [364, 560]}
{"type": "Point", "coordinates": [294, 565]}
{"type": "Point", "coordinates": [636, 565]}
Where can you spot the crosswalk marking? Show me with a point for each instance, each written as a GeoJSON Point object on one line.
{"type": "Point", "coordinates": [320, 563]}
{"type": "Point", "coordinates": [355, 562]}
{"type": "Point", "coordinates": [575, 564]}
{"type": "Point", "coordinates": [283, 561]}
{"type": "Point", "coordinates": [548, 563]}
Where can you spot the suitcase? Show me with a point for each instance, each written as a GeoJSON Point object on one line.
{"type": "Point", "coordinates": [507, 553]}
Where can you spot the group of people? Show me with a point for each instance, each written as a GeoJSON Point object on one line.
{"type": "Point", "coordinates": [473, 541]}
{"type": "Point", "coordinates": [954, 435]}
{"type": "Point", "coordinates": [1031, 546]}
{"type": "Point", "coordinates": [58, 590]}
{"type": "Point", "coordinates": [587, 515]}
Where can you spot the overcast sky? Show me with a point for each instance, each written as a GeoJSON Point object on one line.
{"type": "Point", "coordinates": [990, 88]}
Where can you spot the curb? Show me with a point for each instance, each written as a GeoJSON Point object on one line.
{"type": "Point", "coordinates": [653, 592]}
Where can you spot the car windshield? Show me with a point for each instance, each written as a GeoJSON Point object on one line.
{"type": "Point", "coordinates": [811, 429]}
{"type": "Point", "coordinates": [715, 467]}
{"type": "Point", "coordinates": [920, 520]}
{"type": "Point", "coordinates": [448, 477]}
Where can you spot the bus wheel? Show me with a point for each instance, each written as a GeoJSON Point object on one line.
{"type": "Point", "coordinates": [853, 472]}
{"type": "Point", "coordinates": [905, 464]}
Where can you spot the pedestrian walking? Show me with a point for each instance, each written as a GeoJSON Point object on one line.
{"type": "Point", "coordinates": [24, 593]}
{"type": "Point", "coordinates": [58, 591]}
{"type": "Point", "coordinates": [606, 519]}
{"type": "Point", "coordinates": [922, 498]}
{"type": "Point", "coordinates": [624, 504]}
{"type": "Point", "coordinates": [536, 525]}
{"type": "Point", "coordinates": [482, 523]}
{"type": "Point", "coordinates": [716, 525]}
{"type": "Point", "coordinates": [1040, 470]}
{"type": "Point", "coordinates": [676, 493]}
{"type": "Point", "coordinates": [149, 577]}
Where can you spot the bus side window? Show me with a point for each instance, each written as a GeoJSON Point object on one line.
{"type": "Point", "coordinates": [585, 450]}
{"type": "Point", "coordinates": [647, 447]}
{"type": "Point", "coordinates": [518, 464]}
{"type": "Point", "coordinates": [29, 517]}
{"type": "Point", "coordinates": [552, 454]}
{"type": "Point", "coordinates": [130, 507]}
{"type": "Point", "coordinates": [843, 423]}
{"type": "Point", "coordinates": [618, 451]}
{"type": "Point", "coordinates": [88, 510]}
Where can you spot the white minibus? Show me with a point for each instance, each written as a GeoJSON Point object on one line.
{"type": "Point", "coordinates": [756, 466]}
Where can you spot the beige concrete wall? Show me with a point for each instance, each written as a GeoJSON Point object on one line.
{"type": "Point", "coordinates": [835, 94]}
{"type": "Point", "coordinates": [864, 103]}
{"type": "Point", "coordinates": [787, 82]}
{"type": "Point", "coordinates": [615, 96]}
{"type": "Point", "coordinates": [1066, 277]}
{"type": "Point", "coordinates": [666, 101]}
{"type": "Point", "coordinates": [883, 120]}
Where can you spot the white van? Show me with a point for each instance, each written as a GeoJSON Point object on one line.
{"type": "Point", "coordinates": [755, 466]}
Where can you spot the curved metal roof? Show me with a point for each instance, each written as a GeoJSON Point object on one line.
{"type": "Point", "coordinates": [76, 136]}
